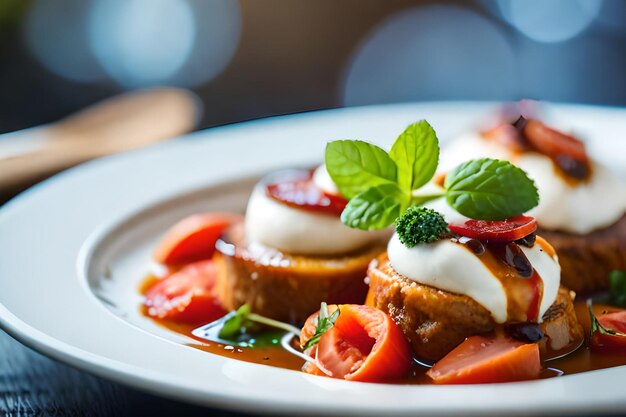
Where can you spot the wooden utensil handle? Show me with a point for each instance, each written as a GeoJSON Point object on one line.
{"type": "Point", "coordinates": [124, 122]}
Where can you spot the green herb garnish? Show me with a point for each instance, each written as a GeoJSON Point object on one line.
{"type": "Point", "coordinates": [421, 225]}
{"type": "Point", "coordinates": [375, 208]}
{"type": "Point", "coordinates": [381, 186]}
{"type": "Point", "coordinates": [597, 327]}
{"type": "Point", "coordinates": [490, 189]}
{"type": "Point", "coordinates": [234, 325]}
{"type": "Point", "coordinates": [358, 166]}
{"type": "Point", "coordinates": [617, 287]}
{"type": "Point", "coordinates": [324, 323]}
{"type": "Point", "coordinates": [243, 319]}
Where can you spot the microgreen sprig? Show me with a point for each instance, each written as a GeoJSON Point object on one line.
{"type": "Point", "coordinates": [242, 319]}
{"type": "Point", "coordinates": [325, 322]}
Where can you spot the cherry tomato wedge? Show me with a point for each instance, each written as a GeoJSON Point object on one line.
{"type": "Point", "coordinates": [508, 230]}
{"type": "Point", "coordinates": [193, 238]}
{"type": "Point", "coordinates": [363, 345]}
{"type": "Point", "coordinates": [508, 136]}
{"type": "Point", "coordinates": [611, 342]}
{"type": "Point", "coordinates": [483, 360]}
{"type": "Point", "coordinates": [186, 296]}
{"type": "Point", "coordinates": [304, 194]}
{"type": "Point", "coordinates": [552, 142]}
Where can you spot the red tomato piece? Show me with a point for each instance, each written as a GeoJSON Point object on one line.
{"type": "Point", "coordinates": [508, 136]}
{"type": "Point", "coordinates": [363, 345]}
{"type": "Point", "coordinates": [483, 360]}
{"type": "Point", "coordinates": [187, 295]}
{"type": "Point", "coordinates": [193, 238]}
{"type": "Point", "coordinates": [305, 195]}
{"type": "Point", "coordinates": [508, 230]}
{"type": "Point", "coordinates": [611, 342]}
{"type": "Point", "coordinates": [552, 142]}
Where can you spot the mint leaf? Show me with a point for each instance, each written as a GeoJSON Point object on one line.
{"type": "Point", "coordinates": [490, 189]}
{"type": "Point", "coordinates": [617, 287]}
{"type": "Point", "coordinates": [356, 166]}
{"type": "Point", "coordinates": [375, 208]}
{"type": "Point", "coordinates": [416, 153]}
{"type": "Point", "coordinates": [324, 324]}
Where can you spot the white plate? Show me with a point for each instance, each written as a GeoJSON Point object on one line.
{"type": "Point", "coordinates": [57, 239]}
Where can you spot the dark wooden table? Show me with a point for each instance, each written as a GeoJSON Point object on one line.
{"type": "Point", "coordinates": [34, 385]}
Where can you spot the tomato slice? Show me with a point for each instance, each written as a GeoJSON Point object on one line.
{"type": "Point", "coordinates": [508, 136]}
{"type": "Point", "coordinates": [483, 360]}
{"type": "Point", "coordinates": [552, 142]}
{"type": "Point", "coordinates": [363, 345]}
{"type": "Point", "coordinates": [611, 342]}
{"type": "Point", "coordinates": [304, 194]}
{"type": "Point", "coordinates": [193, 238]}
{"type": "Point", "coordinates": [187, 295]}
{"type": "Point", "coordinates": [508, 230]}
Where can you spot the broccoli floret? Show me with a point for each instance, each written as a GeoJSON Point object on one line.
{"type": "Point", "coordinates": [421, 225]}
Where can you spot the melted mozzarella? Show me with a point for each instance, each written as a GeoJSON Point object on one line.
{"type": "Point", "coordinates": [451, 267]}
{"type": "Point", "coordinates": [300, 231]}
{"type": "Point", "coordinates": [581, 208]}
{"type": "Point", "coordinates": [321, 178]}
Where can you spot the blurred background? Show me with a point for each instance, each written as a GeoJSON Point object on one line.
{"type": "Point", "coordinates": [254, 58]}
{"type": "Point", "coordinates": [231, 60]}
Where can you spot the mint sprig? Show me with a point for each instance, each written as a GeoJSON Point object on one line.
{"type": "Point", "coordinates": [381, 186]}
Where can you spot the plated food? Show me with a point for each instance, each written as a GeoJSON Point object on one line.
{"type": "Point", "coordinates": [582, 207]}
{"type": "Point", "coordinates": [469, 297]}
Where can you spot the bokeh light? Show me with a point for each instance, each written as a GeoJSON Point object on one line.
{"type": "Point", "coordinates": [56, 33]}
{"type": "Point", "coordinates": [136, 43]}
{"type": "Point", "coordinates": [141, 42]}
{"type": "Point", "coordinates": [432, 53]}
{"type": "Point", "coordinates": [612, 17]}
{"type": "Point", "coordinates": [550, 20]}
{"type": "Point", "coordinates": [218, 31]}
{"type": "Point", "coordinates": [569, 71]}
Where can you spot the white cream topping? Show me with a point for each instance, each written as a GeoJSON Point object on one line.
{"type": "Point", "coordinates": [300, 231]}
{"type": "Point", "coordinates": [451, 267]}
{"type": "Point", "coordinates": [580, 208]}
{"type": "Point", "coordinates": [321, 178]}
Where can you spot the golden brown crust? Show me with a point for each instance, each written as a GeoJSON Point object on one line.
{"type": "Point", "coordinates": [436, 321]}
{"type": "Point", "coordinates": [586, 260]}
{"type": "Point", "coordinates": [287, 287]}
{"type": "Point", "coordinates": [560, 323]}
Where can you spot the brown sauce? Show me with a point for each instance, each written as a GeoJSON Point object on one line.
{"type": "Point", "coordinates": [522, 283]}
{"type": "Point", "coordinates": [580, 360]}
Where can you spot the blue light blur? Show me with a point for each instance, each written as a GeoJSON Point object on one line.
{"type": "Point", "coordinates": [429, 53]}
{"type": "Point", "coordinates": [550, 20]}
